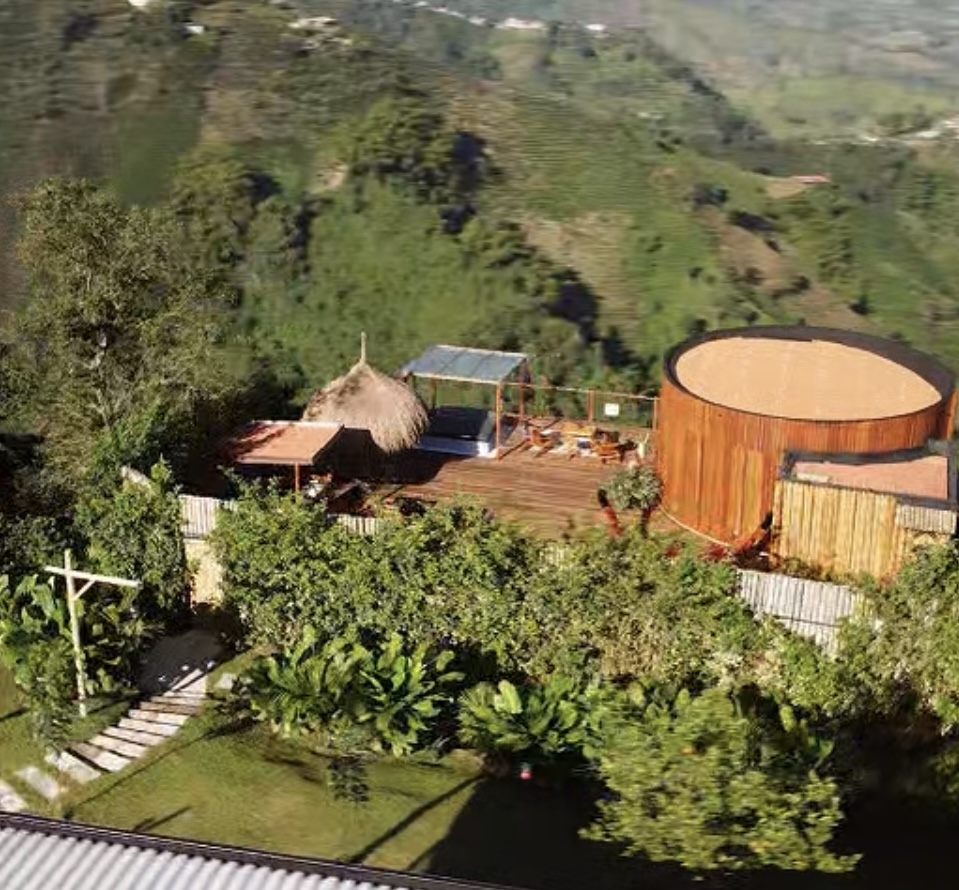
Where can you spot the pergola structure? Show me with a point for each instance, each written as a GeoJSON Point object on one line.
{"type": "Point", "coordinates": [462, 364]}
{"type": "Point", "coordinates": [284, 443]}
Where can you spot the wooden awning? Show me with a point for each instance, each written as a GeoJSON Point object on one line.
{"type": "Point", "coordinates": [286, 443]}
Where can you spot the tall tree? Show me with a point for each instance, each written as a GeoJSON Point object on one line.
{"type": "Point", "coordinates": [117, 336]}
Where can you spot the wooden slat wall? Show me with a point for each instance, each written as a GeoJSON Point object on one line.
{"type": "Point", "coordinates": [848, 530]}
{"type": "Point", "coordinates": [813, 609]}
{"type": "Point", "coordinates": [926, 519]}
{"type": "Point", "coordinates": [359, 525]}
{"type": "Point", "coordinates": [719, 466]}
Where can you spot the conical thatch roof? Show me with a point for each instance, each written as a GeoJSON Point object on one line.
{"type": "Point", "coordinates": [365, 399]}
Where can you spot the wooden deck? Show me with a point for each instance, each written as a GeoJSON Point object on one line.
{"type": "Point", "coordinates": [547, 493]}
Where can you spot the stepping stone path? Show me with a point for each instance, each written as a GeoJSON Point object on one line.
{"type": "Point", "coordinates": [10, 801]}
{"type": "Point", "coordinates": [44, 784]}
{"type": "Point", "coordinates": [149, 723]}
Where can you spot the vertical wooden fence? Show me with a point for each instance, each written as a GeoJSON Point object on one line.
{"type": "Point", "coordinates": [850, 530]}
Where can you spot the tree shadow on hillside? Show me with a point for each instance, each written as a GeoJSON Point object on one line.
{"type": "Point", "coordinates": [576, 303]}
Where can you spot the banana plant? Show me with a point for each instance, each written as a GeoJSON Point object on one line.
{"type": "Point", "coordinates": [556, 720]}
{"type": "Point", "coordinates": [303, 690]}
{"type": "Point", "coordinates": [29, 615]}
{"type": "Point", "coordinates": [400, 696]}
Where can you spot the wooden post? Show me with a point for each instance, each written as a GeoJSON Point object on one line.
{"type": "Point", "coordinates": [499, 407]}
{"type": "Point", "coordinates": [75, 634]}
{"type": "Point", "coordinates": [522, 404]}
{"type": "Point", "coordinates": [591, 405]}
{"type": "Point", "coordinates": [950, 424]}
{"type": "Point", "coordinates": [73, 596]}
{"type": "Point", "coordinates": [296, 477]}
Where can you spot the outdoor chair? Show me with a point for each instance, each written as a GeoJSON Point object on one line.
{"type": "Point", "coordinates": [606, 450]}
{"type": "Point", "coordinates": [542, 442]}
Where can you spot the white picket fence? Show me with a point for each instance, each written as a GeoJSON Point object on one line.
{"type": "Point", "coordinates": [359, 525]}
{"type": "Point", "coordinates": [813, 609]}
{"type": "Point", "coordinates": [199, 517]}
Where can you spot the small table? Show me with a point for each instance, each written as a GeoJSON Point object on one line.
{"type": "Point", "coordinates": [571, 429]}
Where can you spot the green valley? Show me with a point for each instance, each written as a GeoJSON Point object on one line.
{"type": "Point", "coordinates": [607, 200]}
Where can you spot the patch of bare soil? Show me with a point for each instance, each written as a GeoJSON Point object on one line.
{"type": "Point", "coordinates": [773, 271]}
{"type": "Point", "coordinates": [779, 189]}
{"type": "Point", "coordinates": [753, 260]}
{"type": "Point", "coordinates": [329, 178]}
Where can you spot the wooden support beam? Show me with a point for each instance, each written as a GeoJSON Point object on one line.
{"type": "Point", "coordinates": [499, 418]}
{"type": "Point", "coordinates": [73, 595]}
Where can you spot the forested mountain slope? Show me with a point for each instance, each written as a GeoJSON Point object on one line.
{"type": "Point", "coordinates": [590, 200]}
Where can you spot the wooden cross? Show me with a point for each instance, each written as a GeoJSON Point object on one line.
{"type": "Point", "coordinates": [73, 595]}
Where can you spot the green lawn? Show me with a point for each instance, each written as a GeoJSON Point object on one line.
{"type": "Point", "coordinates": [16, 747]}
{"type": "Point", "coordinates": [246, 788]}
{"type": "Point", "coordinates": [249, 789]}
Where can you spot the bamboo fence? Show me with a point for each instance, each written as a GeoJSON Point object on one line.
{"type": "Point", "coordinates": [852, 531]}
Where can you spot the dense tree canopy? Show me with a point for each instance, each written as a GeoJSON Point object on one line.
{"type": "Point", "coordinates": [116, 339]}
{"type": "Point", "coordinates": [712, 783]}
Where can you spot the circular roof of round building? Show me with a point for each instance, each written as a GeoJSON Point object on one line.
{"type": "Point", "coordinates": [802, 378]}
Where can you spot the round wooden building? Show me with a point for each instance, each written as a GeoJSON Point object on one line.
{"type": "Point", "coordinates": [734, 402]}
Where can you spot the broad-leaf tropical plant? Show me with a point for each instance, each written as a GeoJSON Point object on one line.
{"type": "Point", "coordinates": [303, 690]}
{"type": "Point", "coordinates": [401, 695]}
{"type": "Point", "coordinates": [350, 698]}
{"type": "Point", "coordinates": [558, 720]}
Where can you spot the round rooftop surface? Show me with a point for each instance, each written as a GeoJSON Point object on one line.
{"type": "Point", "coordinates": [802, 379]}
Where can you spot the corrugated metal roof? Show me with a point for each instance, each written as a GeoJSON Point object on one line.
{"type": "Point", "coordinates": [464, 364]}
{"type": "Point", "coordinates": [42, 854]}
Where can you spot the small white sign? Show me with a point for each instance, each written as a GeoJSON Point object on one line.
{"type": "Point", "coordinates": [611, 409]}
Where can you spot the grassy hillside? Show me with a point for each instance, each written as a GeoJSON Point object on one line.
{"type": "Point", "coordinates": [643, 207]}
{"type": "Point", "coordinates": [821, 67]}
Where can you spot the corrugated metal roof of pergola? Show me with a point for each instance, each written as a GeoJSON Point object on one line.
{"type": "Point", "coordinates": [464, 364]}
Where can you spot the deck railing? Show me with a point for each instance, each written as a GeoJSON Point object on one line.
{"type": "Point", "coordinates": [610, 408]}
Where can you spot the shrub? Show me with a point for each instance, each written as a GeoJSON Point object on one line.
{"type": "Point", "coordinates": [557, 721]}
{"type": "Point", "coordinates": [453, 577]}
{"type": "Point", "coordinates": [349, 698]}
{"type": "Point", "coordinates": [617, 606]}
{"type": "Point", "coordinates": [635, 488]}
{"type": "Point", "coordinates": [714, 781]}
{"type": "Point", "coordinates": [134, 531]}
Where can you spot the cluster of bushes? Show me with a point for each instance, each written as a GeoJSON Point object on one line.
{"type": "Point", "coordinates": [451, 629]}
{"type": "Point", "coordinates": [120, 528]}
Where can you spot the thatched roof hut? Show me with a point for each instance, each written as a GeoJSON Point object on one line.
{"type": "Point", "coordinates": [365, 399]}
